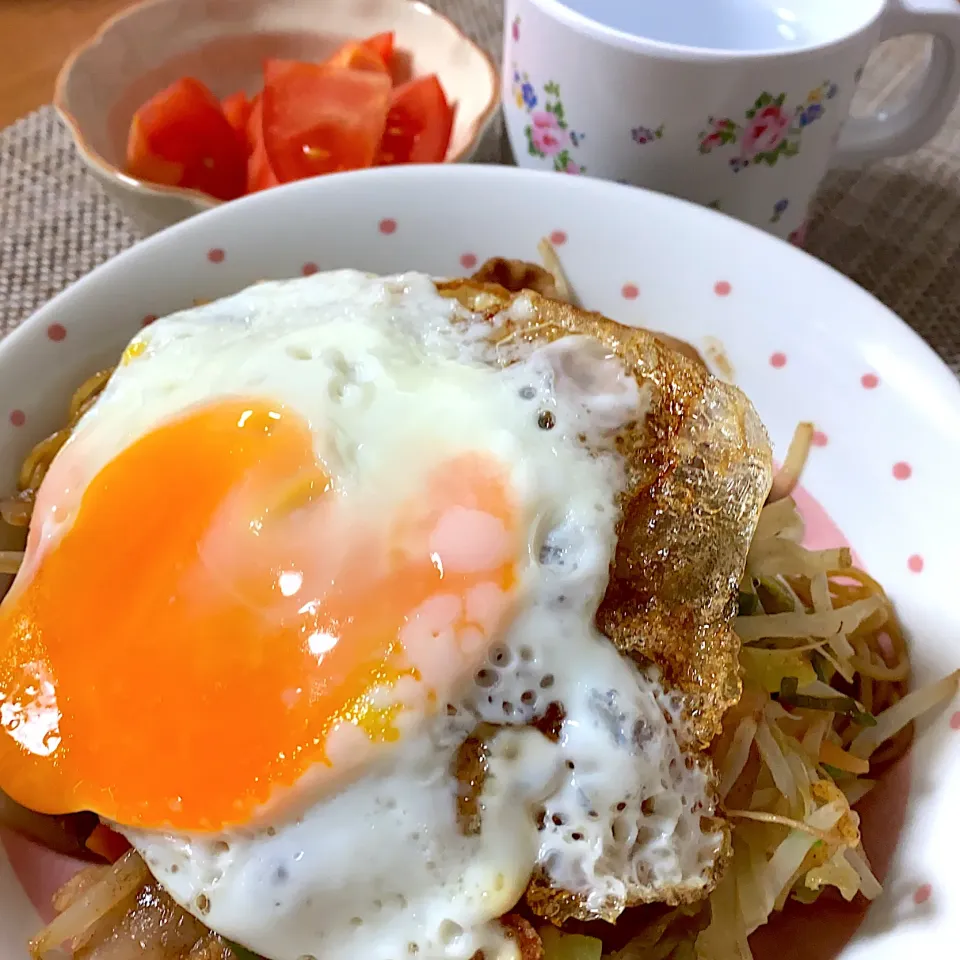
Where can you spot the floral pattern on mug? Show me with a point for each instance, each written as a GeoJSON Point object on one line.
{"type": "Point", "coordinates": [515, 28]}
{"type": "Point", "coordinates": [644, 135]}
{"type": "Point", "coordinates": [779, 209]}
{"type": "Point", "coordinates": [769, 130]}
{"type": "Point", "coordinates": [524, 93]}
{"type": "Point", "coordinates": [548, 134]}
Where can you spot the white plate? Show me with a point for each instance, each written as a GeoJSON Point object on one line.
{"type": "Point", "coordinates": [803, 342]}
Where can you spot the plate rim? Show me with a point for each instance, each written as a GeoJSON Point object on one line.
{"type": "Point", "coordinates": [922, 353]}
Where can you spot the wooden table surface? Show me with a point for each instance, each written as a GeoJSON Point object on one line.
{"type": "Point", "coordinates": [36, 36]}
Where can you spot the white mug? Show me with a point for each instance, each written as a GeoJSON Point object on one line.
{"type": "Point", "coordinates": [740, 105]}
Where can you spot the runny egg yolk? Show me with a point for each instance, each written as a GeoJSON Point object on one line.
{"type": "Point", "coordinates": [214, 614]}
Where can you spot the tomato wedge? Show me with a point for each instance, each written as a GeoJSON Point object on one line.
{"type": "Point", "coordinates": [144, 164]}
{"type": "Point", "coordinates": [254, 128]}
{"type": "Point", "coordinates": [260, 175]}
{"type": "Point", "coordinates": [181, 137]}
{"type": "Point", "coordinates": [236, 108]}
{"type": "Point", "coordinates": [357, 56]}
{"type": "Point", "coordinates": [419, 124]}
{"type": "Point", "coordinates": [320, 119]}
{"type": "Point", "coordinates": [382, 45]}
{"type": "Point", "coordinates": [374, 53]}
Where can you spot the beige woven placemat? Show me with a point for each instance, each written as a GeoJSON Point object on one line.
{"type": "Point", "coordinates": [894, 229]}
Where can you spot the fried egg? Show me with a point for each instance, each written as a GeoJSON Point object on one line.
{"type": "Point", "coordinates": [310, 539]}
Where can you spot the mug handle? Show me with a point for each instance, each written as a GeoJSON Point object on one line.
{"type": "Point", "coordinates": [872, 138]}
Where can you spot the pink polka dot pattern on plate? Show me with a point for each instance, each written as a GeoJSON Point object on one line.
{"type": "Point", "coordinates": [902, 470]}
{"type": "Point", "coordinates": [778, 360]}
{"type": "Point", "coordinates": [18, 418]}
{"type": "Point", "coordinates": [468, 261]}
{"type": "Point", "coordinates": [308, 269]}
{"type": "Point", "coordinates": [558, 238]}
{"type": "Point", "coordinates": [870, 381]}
{"type": "Point", "coordinates": [955, 721]}
{"type": "Point", "coordinates": [57, 332]}
{"type": "Point", "coordinates": [387, 226]}
{"type": "Point", "coordinates": [915, 563]}
{"type": "Point", "coordinates": [630, 291]}
{"type": "Point", "coordinates": [722, 288]}
{"type": "Point", "coordinates": [148, 319]}
{"type": "Point", "coordinates": [922, 894]}
{"type": "Point", "coordinates": [216, 255]}
{"type": "Point", "coordinates": [819, 438]}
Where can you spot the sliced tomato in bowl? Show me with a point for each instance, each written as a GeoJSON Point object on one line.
{"type": "Point", "coordinates": [260, 175]}
{"type": "Point", "coordinates": [419, 124]}
{"type": "Point", "coordinates": [182, 138]}
{"type": "Point", "coordinates": [382, 45]}
{"type": "Point", "coordinates": [254, 126]}
{"type": "Point", "coordinates": [236, 108]}
{"type": "Point", "coordinates": [358, 56]}
{"type": "Point", "coordinates": [309, 119]}
{"type": "Point", "coordinates": [321, 119]}
{"type": "Point", "coordinates": [374, 53]}
{"type": "Point", "coordinates": [144, 163]}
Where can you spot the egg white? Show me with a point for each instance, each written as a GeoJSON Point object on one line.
{"type": "Point", "coordinates": [390, 376]}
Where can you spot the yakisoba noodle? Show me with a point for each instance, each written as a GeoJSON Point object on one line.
{"type": "Point", "coordinates": [882, 660]}
{"type": "Point", "coordinates": [825, 708]}
{"type": "Point", "coordinates": [16, 510]}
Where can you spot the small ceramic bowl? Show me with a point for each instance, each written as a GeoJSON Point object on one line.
{"type": "Point", "coordinates": [223, 43]}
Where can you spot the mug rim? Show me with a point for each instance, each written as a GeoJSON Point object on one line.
{"type": "Point", "coordinates": [557, 10]}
